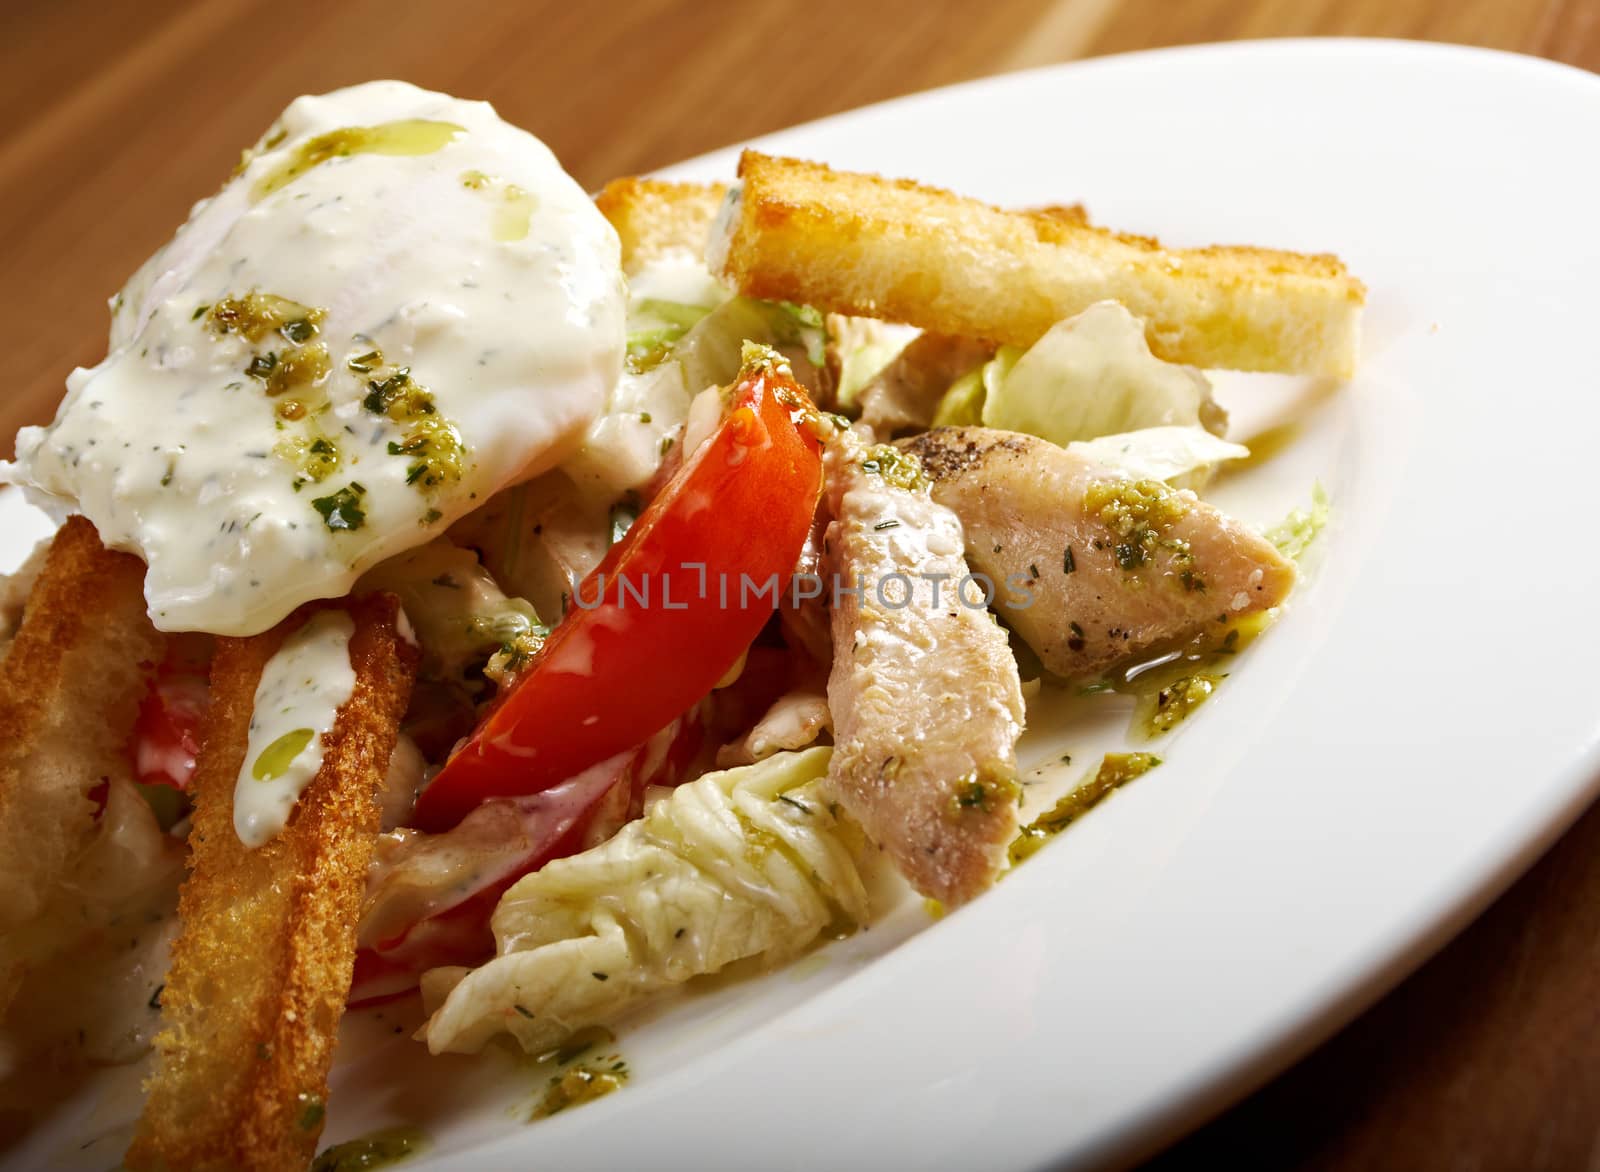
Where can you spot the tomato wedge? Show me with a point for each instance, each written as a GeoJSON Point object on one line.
{"type": "Point", "coordinates": [666, 614]}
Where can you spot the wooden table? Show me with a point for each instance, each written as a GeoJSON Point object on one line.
{"type": "Point", "coordinates": [119, 115]}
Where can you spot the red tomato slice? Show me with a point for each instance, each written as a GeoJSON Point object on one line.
{"type": "Point", "coordinates": [666, 614]}
{"type": "Point", "coordinates": [166, 735]}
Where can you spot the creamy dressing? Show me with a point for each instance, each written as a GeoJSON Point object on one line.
{"type": "Point", "coordinates": [451, 292]}
{"type": "Point", "coordinates": [301, 691]}
{"type": "Point", "coordinates": [679, 277]}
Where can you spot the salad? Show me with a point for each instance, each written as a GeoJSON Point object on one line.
{"type": "Point", "coordinates": [472, 591]}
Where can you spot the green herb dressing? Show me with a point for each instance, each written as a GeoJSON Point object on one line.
{"type": "Point", "coordinates": [378, 1150]}
{"type": "Point", "coordinates": [569, 1082]}
{"type": "Point", "coordinates": [1170, 681]}
{"type": "Point", "coordinates": [1116, 770]}
{"type": "Point", "coordinates": [582, 1084]}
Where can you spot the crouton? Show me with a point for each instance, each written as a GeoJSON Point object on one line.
{"type": "Point", "coordinates": [860, 244]}
{"type": "Point", "coordinates": [655, 218]}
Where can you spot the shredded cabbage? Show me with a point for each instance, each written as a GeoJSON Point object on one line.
{"type": "Point", "coordinates": [1093, 375]}
{"type": "Point", "coordinates": [742, 863]}
{"type": "Point", "coordinates": [1295, 533]}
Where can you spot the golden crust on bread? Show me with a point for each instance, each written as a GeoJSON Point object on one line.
{"type": "Point", "coordinates": [655, 218]}
{"type": "Point", "coordinates": [894, 249]}
{"type": "Point", "coordinates": [1070, 213]}
{"type": "Point", "coordinates": [263, 963]}
{"type": "Point", "coordinates": [70, 685]}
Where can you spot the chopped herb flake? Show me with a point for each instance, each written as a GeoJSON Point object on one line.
{"type": "Point", "coordinates": [342, 510]}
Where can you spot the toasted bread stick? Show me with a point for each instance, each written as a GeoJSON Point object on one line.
{"type": "Point", "coordinates": [70, 686]}
{"type": "Point", "coordinates": [262, 965]}
{"type": "Point", "coordinates": [655, 218]}
{"type": "Point", "coordinates": [893, 249]}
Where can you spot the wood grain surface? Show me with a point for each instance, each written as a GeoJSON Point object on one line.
{"type": "Point", "coordinates": [118, 115]}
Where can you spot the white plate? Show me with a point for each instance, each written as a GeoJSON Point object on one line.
{"type": "Point", "coordinates": [1420, 724]}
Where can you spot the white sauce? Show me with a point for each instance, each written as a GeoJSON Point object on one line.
{"type": "Point", "coordinates": [301, 691]}
{"type": "Point", "coordinates": [478, 264]}
{"type": "Point", "coordinates": [679, 277]}
{"type": "Point", "coordinates": [645, 412]}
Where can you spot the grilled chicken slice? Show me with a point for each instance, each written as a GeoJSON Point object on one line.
{"type": "Point", "coordinates": [1092, 569]}
{"type": "Point", "coordinates": [924, 692]}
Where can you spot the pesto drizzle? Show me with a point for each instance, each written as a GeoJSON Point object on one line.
{"type": "Point", "coordinates": [1139, 512]}
{"type": "Point", "coordinates": [376, 1150]}
{"type": "Point", "coordinates": [1116, 770]}
{"type": "Point", "coordinates": [430, 442]}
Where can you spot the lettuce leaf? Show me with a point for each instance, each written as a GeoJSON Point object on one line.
{"type": "Point", "coordinates": [665, 300]}
{"type": "Point", "coordinates": [963, 403]}
{"type": "Point", "coordinates": [653, 326]}
{"type": "Point", "coordinates": [670, 362]}
{"type": "Point", "coordinates": [710, 354]}
{"type": "Point", "coordinates": [863, 347]}
{"type": "Point", "coordinates": [1185, 454]}
{"type": "Point", "coordinates": [1093, 375]}
{"type": "Point", "coordinates": [1296, 532]}
{"type": "Point", "coordinates": [742, 863]}
{"type": "Point", "coordinates": [623, 447]}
